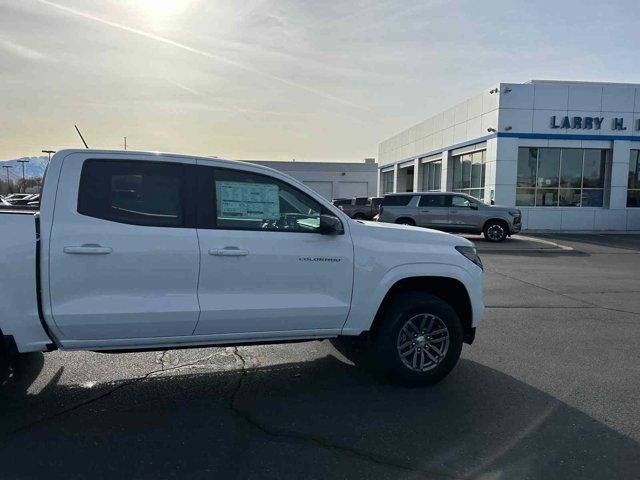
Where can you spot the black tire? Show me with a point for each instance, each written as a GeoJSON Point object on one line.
{"type": "Point", "coordinates": [406, 221]}
{"type": "Point", "coordinates": [385, 353]}
{"type": "Point", "coordinates": [359, 216]}
{"type": "Point", "coordinates": [496, 231]}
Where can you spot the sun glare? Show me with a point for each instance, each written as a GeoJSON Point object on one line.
{"type": "Point", "coordinates": [160, 10]}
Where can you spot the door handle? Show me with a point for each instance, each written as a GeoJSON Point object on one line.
{"type": "Point", "coordinates": [229, 252]}
{"type": "Point", "coordinates": [88, 249]}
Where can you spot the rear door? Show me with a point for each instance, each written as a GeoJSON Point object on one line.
{"type": "Point", "coordinates": [265, 267]}
{"type": "Point", "coordinates": [124, 251]}
{"type": "Point", "coordinates": [433, 211]}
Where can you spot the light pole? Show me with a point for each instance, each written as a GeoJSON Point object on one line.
{"type": "Point", "coordinates": [23, 162]}
{"type": "Point", "coordinates": [49, 152]}
{"type": "Point", "coordinates": [7, 167]}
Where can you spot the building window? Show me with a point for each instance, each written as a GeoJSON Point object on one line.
{"type": "Point", "coordinates": [633, 187]}
{"type": "Point", "coordinates": [468, 173]}
{"type": "Point", "coordinates": [431, 173]}
{"type": "Point", "coordinates": [387, 182]}
{"type": "Point", "coordinates": [564, 177]}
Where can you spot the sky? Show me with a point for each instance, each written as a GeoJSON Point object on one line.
{"type": "Point", "coordinates": [281, 79]}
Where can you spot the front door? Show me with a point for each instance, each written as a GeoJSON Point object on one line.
{"type": "Point", "coordinates": [462, 214]}
{"type": "Point", "coordinates": [265, 267]}
{"type": "Point", "coordinates": [123, 250]}
{"type": "Point", "coordinates": [433, 211]}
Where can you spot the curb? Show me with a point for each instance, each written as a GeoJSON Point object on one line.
{"type": "Point", "coordinates": [556, 247]}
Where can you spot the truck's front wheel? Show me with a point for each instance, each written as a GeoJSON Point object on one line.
{"type": "Point", "coordinates": [419, 339]}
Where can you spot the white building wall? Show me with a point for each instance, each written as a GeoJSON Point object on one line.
{"type": "Point", "coordinates": [521, 115]}
{"type": "Point", "coordinates": [467, 120]}
{"type": "Point", "coordinates": [332, 179]}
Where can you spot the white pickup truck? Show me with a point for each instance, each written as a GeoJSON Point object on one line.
{"type": "Point", "coordinates": [136, 251]}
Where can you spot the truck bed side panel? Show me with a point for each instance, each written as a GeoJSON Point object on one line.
{"type": "Point", "coordinates": [18, 298]}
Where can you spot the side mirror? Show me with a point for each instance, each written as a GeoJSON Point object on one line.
{"type": "Point", "coordinates": [473, 206]}
{"type": "Point", "coordinates": [330, 225]}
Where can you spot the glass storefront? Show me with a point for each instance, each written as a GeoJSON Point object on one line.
{"type": "Point", "coordinates": [468, 173]}
{"type": "Point", "coordinates": [633, 186]}
{"type": "Point", "coordinates": [564, 177]}
{"type": "Point", "coordinates": [387, 182]}
{"type": "Point", "coordinates": [431, 173]}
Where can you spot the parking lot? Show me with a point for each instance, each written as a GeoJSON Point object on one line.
{"type": "Point", "coordinates": [550, 389]}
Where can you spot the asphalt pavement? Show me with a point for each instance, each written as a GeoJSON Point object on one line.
{"type": "Point", "coordinates": [549, 390]}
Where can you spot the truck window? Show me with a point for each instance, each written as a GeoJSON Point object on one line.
{"type": "Point", "coordinates": [250, 201]}
{"type": "Point", "coordinates": [361, 201]}
{"type": "Point", "coordinates": [433, 201]}
{"type": "Point", "coordinates": [397, 200]}
{"type": "Point", "coordinates": [133, 192]}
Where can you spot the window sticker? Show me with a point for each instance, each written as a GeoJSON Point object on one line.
{"type": "Point", "coordinates": [248, 201]}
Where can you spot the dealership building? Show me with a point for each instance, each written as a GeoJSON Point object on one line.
{"type": "Point", "coordinates": [565, 153]}
{"type": "Point", "coordinates": [332, 179]}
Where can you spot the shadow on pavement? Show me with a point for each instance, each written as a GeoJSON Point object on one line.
{"type": "Point", "coordinates": [19, 373]}
{"type": "Point", "coordinates": [316, 419]}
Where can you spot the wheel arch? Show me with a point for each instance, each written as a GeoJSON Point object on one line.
{"type": "Point", "coordinates": [449, 289]}
{"type": "Point", "coordinates": [405, 217]}
{"type": "Point", "coordinates": [496, 219]}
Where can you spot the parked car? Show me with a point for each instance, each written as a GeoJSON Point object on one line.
{"type": "Point", "coordinates": [144, 251]}
{"type": "Point", "coordinates": [453, 212]}
{"type": "Point", "coordinates": [361, 208]}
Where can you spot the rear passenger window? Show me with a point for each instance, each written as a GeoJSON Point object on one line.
{"type": "Point", "coordinates": [396, 200]}
{"type": "Point", "coordinates": [433, 201]}
{"type": "Point", "coordinates": [133, 192]}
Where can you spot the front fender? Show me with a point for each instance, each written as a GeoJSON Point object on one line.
{"type": "Point", "coordinates": [367, 298]}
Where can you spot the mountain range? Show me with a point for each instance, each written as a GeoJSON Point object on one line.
{"type": "Point", "coordinates": [33, 169]}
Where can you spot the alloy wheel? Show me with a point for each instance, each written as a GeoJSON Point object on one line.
{"type": "Point", "coordinates": [423, 342]}
{"type": "Point", "coordinates": [495, 232]}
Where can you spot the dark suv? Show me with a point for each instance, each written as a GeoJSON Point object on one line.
{"type": "Point", "coordinates": [452, 212]}
{"type": "Point", "coordinates": [359, 208]}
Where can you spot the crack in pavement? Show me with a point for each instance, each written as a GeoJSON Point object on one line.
{"type": "Point", "coordinates": [270, 431]}
{"type": "Point", "coordinates": [285, 434]}
{"type": "Point", "coordinates": [160, 359]}
{"type": "Point", "coordinates": [102, 395]}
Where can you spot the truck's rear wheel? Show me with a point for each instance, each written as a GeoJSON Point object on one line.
{"type": "Point", "coordinates": [419, 339]}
